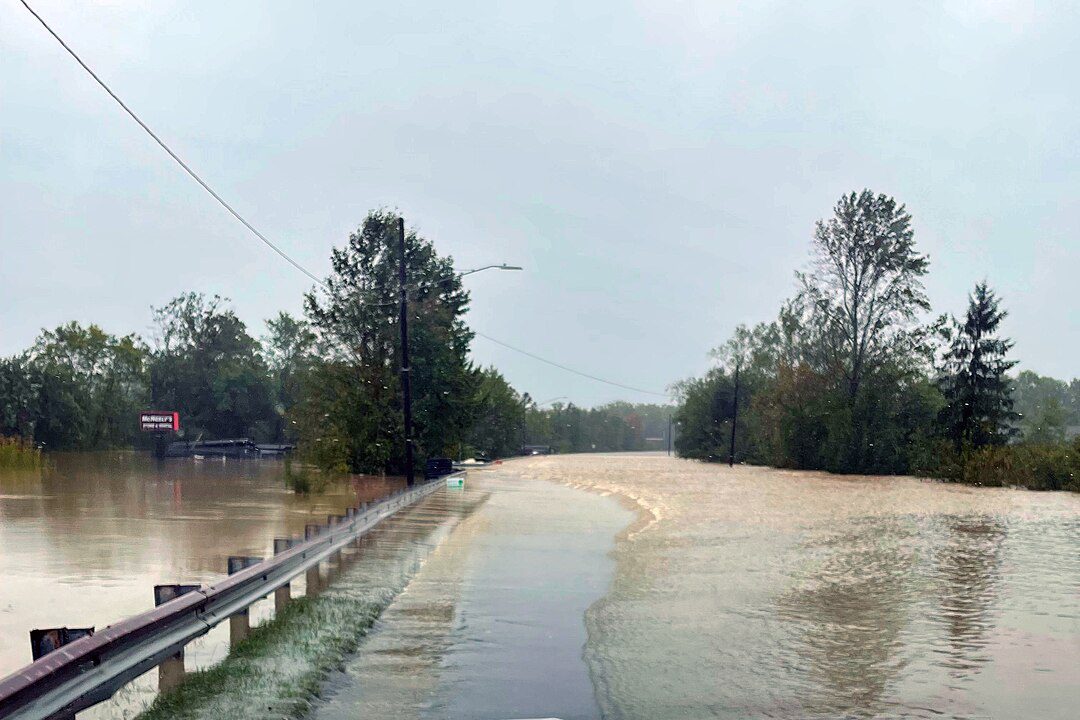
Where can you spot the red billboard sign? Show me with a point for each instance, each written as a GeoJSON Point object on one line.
{"type": "Point", "coordinates": [155, 421]}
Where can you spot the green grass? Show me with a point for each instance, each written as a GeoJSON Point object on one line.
{"type": "Point", "coordinates": [277, 670]}
{"type": "Point", "coordinates": [19, 454]}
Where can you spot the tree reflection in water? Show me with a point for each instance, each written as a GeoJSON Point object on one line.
{"type": "Point", "coordinates": [849, 613]}
{"type": "Point", "coordinates": [877, 583]}
{"type": "Point", "coordinates": [966, 571]}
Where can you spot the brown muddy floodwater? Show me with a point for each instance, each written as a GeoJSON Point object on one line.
{"type": "Point", "coordinates": [757, 593]}
{"type": "Point", "coordinates": [83, 542]}
{"type": "Point", "coordinates": [689, 591]}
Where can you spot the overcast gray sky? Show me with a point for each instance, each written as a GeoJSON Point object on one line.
{"type": "Point", "coordinates": [657, 167]}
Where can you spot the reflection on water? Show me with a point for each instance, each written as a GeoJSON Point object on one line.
{"type": "Point", "coordinates": [848, 612]}
{"type": "Point", "coordinates": [877, 580]}
{"type": "Point", "coordinates": [967, 575]}
{"type": "Point", "coordinates": [752, 592]}
{"type": "Point", "coordinates": [84, 541]}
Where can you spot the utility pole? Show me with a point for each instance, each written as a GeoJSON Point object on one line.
{"type": "Point", "coordinates": [669, 435]}
{"type": "Point", "coordinates": [406, 388]}
{"type": "Point", "coordinates": [734, 417]}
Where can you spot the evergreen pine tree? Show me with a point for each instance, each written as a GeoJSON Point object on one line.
{"type": "Point", "coordinates": [978, 393]}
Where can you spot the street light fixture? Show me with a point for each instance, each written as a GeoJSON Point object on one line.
{"type": "Point", "coordinates": [503, 266]}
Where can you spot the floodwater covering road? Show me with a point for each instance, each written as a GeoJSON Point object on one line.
{"type": "Point", "coordinates": [493, 623]}
{"type": "Point", "coordinates": [636, 586]}
{"type": "Point", "coordinates": [752, 592]}
{"type": "Point", "coordinates": [735, 593]}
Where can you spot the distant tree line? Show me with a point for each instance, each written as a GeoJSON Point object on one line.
{"type": "Point", "coordinates": [850, 379]}
{"type": "Point", "coordinates": [328, 381]}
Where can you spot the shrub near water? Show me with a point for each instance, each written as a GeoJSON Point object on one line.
{"type": "Point", "coordinates": [1036, 467]}
{"type": "Point", "coordinates": [303, 479]}
{"type": "Point", "coordinates": [18, 454]}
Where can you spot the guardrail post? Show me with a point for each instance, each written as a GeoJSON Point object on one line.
{"type": "Point", "coordinates": [239, 627]}
{"type": "Point", "coordinates": [44, 641]}
{"type": "Point", "coordinates": [282, 544]}
{"type": "Point", "coordinates": [335, 557]}
{"type": "Point", "coordinates": [312, 577]}
{"type": "Point", "coordinates": [313, 581]}
{"type": "Point", "coordinates": [171, 670]}
{"type": "Point", "coordinates": [283, 594]}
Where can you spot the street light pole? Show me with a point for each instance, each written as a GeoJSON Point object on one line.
{"type": "Point", "coordinates": [406, 386]}
{"type": "Point", "coordinates": [734, 416]}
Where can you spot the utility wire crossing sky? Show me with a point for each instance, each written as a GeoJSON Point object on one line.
{"type": "Point", "coordinates": [657, 167]}
{"type": "Point", "coordinates": [264, 239]}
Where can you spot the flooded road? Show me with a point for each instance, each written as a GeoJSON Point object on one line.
{"type": "Point", "coordinates": [83, 542]}
{"type": "Point", "coordinates": [614, 586]}
{"type": "Point", "coordinates": [752, 592]}
{"type": "Point", "coordinates": [493, 624]}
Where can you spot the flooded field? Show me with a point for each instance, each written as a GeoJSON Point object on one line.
{"type": "Point", "coordinates": [760, 593]}
{"type": "Point", "coordinates": [83, 542]}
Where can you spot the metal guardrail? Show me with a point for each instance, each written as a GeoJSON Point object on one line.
{"type": "Point", "coordinates": [91, 669]}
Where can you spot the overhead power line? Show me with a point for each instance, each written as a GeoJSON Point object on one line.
{"type": "Point", "coordinates": [266, 241]}
{"type": "Point", "coordinates": [568, 369]}
{"type": "Point", "coordinates": [173, 155]}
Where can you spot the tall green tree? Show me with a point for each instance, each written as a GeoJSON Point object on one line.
{"type": "Point", "coordinates": [20, 387]}
{"type": "Point", "coordinates": [864, 289]}
{"type": "Point", "coordinates": [1043, 407]}
{"type": "Point", "coordinates": [92, 386]}
{"type": "Point", "coordinates": [704, 416]}
{"type": "Point", "coordinates": [207, 367]}
{"type": "Point", "coordinates": [858, 307]}
{"type": "Point", "coordinates": [977, 392]}
{"type": "Point", "coordinates": [499, 426]}
{"type": "Point", "coordinates": [357, 321]}
{"type": "Point", "coordinates": [290, 351]}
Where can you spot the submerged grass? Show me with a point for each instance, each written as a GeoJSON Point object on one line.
{"type": "Point", "coordinates": [19, 454]}
{"type": "Point", "coordinates": [276, 671]}
{"type": "Point", "coordinates": [304, 479]}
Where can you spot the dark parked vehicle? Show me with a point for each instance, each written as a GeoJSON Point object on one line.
{"type": "Point", "coordinates": [437, 467]}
